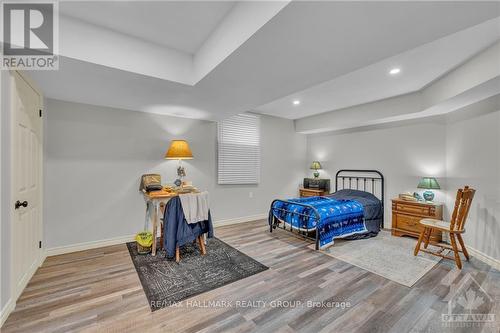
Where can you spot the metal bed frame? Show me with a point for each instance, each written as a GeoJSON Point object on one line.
{"type": "Point", "coordinates": [341, 178]}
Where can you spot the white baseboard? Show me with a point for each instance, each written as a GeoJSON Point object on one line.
{"type": "Point", "coordinates": [89, 245]}
{"type": "Point", "coordinates": [7, 309]}
{"type": "Point", "coordinates": [10, 305]}
{"type": "Point", "coordinates": [495, 263]}
{"type": "Point", "coordinates": [240, 219]}
{"type": "Point", "coordinates": [124, 239]}
{"type": "Point", "coordinates": [15, 293]}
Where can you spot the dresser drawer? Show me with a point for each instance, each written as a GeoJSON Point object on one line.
{"type": "Point", "coordinates": [304, 192]}
{"type": "Point", "coordinates": [408, 222]}
{"type": "Point", "coordinates": [417, 210]}
{"type": "Point", "coordinates": [407, 215]}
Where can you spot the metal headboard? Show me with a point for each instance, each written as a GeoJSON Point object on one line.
{"type": "Point", "coordinates": [362, 180]}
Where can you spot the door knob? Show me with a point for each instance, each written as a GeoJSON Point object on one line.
{"type": "Point", "coordinates": [21, 204]}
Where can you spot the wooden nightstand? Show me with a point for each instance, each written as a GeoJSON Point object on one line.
{"type": "Point", "coordinates": [407, 214]}
{"type": "Point", "coordinates": [311, 192]}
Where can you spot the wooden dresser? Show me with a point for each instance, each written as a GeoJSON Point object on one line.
{"type": "Point", "coordinates": [407, 214]}
{"type": "Point", "coordinates": [311, 192]}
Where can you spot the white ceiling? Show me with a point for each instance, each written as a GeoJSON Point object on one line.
{"type": "Point", "coordinates": [183, 26]}
{"type": "Point", "coordinates": [419, 67]}
{"type": "Point", "coordinates": [304, 45]}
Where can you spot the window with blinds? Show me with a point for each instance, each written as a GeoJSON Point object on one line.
{"type": "Point", "coordinates": [239, 150]}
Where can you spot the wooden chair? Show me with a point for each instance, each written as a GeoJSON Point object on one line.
{"type": "Point", "coordinates": [200, 240]}
{"type": "Point", "coordinates": [455, 227]}
{"type": "Point", "coordinates": [201, 244]}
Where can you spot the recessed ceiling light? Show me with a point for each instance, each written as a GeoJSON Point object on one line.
{"type": "Point", "coordinates": [395, 71]}
{"type": "Point", "coordinates": [296, 102]}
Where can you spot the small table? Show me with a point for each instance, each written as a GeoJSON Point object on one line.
{"type": "Point", "coordinates": [311, 192]}
{"type": "Point", "coordinates": [154, 199]}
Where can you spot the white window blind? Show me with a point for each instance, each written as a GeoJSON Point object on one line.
{"type": "Point", "coordinates": [239, 150]}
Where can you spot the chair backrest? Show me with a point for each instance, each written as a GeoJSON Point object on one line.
{"type": "Point", "coordinates": [463, 202]}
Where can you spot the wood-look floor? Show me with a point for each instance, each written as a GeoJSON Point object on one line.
{"type": "Point", "coordinates": [99, 291]}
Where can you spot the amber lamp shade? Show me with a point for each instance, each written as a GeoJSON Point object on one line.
{"type": "Point", "coordinates": [179, 150]}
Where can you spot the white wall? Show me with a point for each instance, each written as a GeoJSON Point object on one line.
{"type": "Point", "coordinates": [96, 155]}
{"type": "Point", "coordinates": [403, 154]}
{"type": "Point", "coordinates": [460, 149]}
{"type": "Point", "coordinates": [473, 158]}
{"type": "Point", "coordinates": [282, 158]}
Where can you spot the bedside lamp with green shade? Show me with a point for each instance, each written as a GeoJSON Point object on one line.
{"type": "Point", "coordinates": [429, 183]}
{"type": "Point", "coordinates": [315, 166]}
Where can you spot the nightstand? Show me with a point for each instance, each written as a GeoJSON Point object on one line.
{"type": "Point", "coordinates": [407, 214]}
{"type": "Point", "coordinates": [311, 192]}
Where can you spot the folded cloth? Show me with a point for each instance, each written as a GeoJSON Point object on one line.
{"type": "Point", "coordinates": [195, 206]}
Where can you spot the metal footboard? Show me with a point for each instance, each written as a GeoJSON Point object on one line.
{"type": "Point", "coordinates": [274, 221]}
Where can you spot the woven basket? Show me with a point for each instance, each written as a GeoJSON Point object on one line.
{"type": "Point", "coordinates": [143, 249]}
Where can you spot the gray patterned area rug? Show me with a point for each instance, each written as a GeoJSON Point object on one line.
{"type": "Point", "coordinates": [386, 255]}
{"type": "Point", "coordinates": [165, 282]}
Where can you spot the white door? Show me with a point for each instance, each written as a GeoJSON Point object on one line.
{"type": "Point", "coordinates": [26, 181]}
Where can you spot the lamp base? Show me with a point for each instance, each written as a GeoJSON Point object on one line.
{"type": "Point", "coordinates": [428, 195]}
{"type": "Point", "coordinates": [181, 172]}
{"type": "Point", "coordinates": [316, 174]}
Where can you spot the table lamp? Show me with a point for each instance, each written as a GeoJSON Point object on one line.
{"type": "Point", "coordinates": [429, 183]}
{"type": "Point", "coordinates": [315, 166]}
{"type": "Point", "coordinates": [179, 150]}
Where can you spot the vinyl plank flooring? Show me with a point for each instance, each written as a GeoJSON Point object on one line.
{"type": "Point", "coordinates": [98, 290]}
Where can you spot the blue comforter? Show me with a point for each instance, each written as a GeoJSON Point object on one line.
{"type": "Point", "coordinates": [373, 210]}
{"type": "Point", "coordinates": [337, 218]}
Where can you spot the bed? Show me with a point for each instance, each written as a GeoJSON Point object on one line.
{"type": "Point", "coordinates": [354, 211]}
